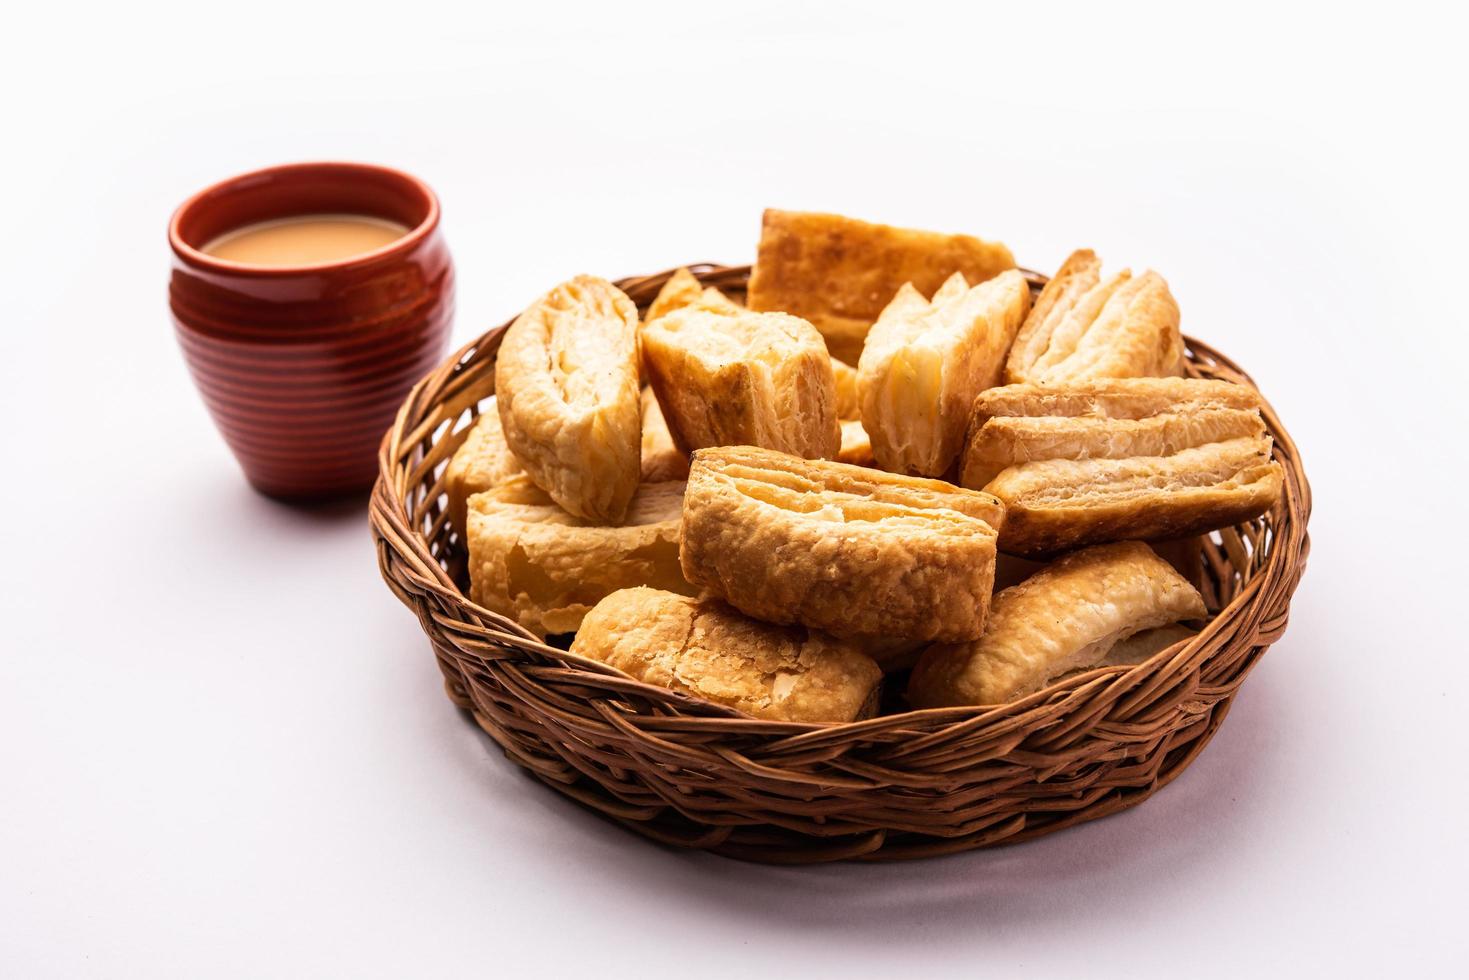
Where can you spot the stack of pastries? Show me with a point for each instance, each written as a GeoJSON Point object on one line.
{"type": "Point", "coordinates": [891, 465]}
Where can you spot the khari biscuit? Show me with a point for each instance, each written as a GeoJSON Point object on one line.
{"type": "Point", "coordinates": [533, 562]}
{"type": "Point", "coordinates": [705, 648]}
{"type": "Point", "coordinates": [482, 461]}
{"type": "Point", "coordinates": [839, 273]}
{"type": "Point", "coordinates": [926, 360]}
{"type": "Point", "coordinates": [850, 550]}
{"type": "Point", "coordinates": [566, 383]}
{"type": "Point", "coordinates": [1122, 458]}
{"type": "Point", "coordinates": [742, 379]}
{"type": "Point", "coordinates": [1083, 327]}
{"type": "Point", "coordinates": [1067, 616]}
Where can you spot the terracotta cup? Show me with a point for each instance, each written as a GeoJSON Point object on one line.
{"type": "Point", "coordinates": [303, 368]}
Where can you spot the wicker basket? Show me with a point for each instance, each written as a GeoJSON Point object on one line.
{"type": "Point", "coordinates": [921, 783]}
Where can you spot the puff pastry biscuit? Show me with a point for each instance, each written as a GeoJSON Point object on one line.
{"type": "Point", "coordinates": [853, 551]}
{"type": "Point", "coordinates": [856, 445]}
{"type": "Point", "coordinates": [1120, 458]}
{"type": "Point", "coordinates": [707, 649]}
{"type": "Point", "coordinates": [758, 379]}
{"type": "Point", "coordinates": [1082, 327]}
{"type": "Point", "coordinates": [684, 289]}
{"type": "Point", "coordinates": [926, 360]}
{"type": "Point", "coordinates": [533, 562]}
{"type": "Point", "coordinates": [1066, 616]}
{"type": "Point", "coordinates": [483, 460]}
{"type": "Point", "coordinates": [566, 380]}
{"type": "Point", "coordinates": [845, 376]}
{"type": "Point", "coordinates": [662, 460]}
{"type": "Point", "coordinates": [839, 273]}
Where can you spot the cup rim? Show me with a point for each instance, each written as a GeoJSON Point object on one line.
{"type": "Point", "coordinates": [200, 259]}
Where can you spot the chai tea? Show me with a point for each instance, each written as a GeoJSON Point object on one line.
{"type": "Point", "coordinates": [308, 239]}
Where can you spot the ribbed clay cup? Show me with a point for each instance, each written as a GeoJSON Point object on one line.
{"type": "Point", "coordinates": [303, 368]}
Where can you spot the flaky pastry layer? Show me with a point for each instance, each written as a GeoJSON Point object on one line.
{"type": "Point", "coordinates": [566, 380]}
{"type": "Point", "coordinates": [839, 272]}
{"type": "Point", "coordinates": [1113, 459]}
{"type": "Point", "coordinates": [1067, 616]}
{"type": "Point", "coordinates": [854, 551]}
{"type": "Point", "coordinates": [926, 360]}
{"type": "Point", "coordinates": [856, 445]}
{"type": "Point", "coordinates": [845, 376]}
{"type": "Point", "coordinates": [485, 459]}
{"type": "Point", "coordinates": [535, 563]}
{"type": "Point", "coordinates": [707, 649]}
{"type": "Point", "coordinates": [1083, 327]}
{"type": "Point", "coordinates": [482, 461]}
{"type": "Point", "coordinates": [742, 378]}
{"type": "Point", "coordinates": [683, 289]}
{"type": "Point", "coordinates": [661, 459]}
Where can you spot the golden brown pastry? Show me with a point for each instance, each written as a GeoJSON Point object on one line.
{"type": "Point", "coordinates": [1082, 327]}
{"type": "Point", "coordinates": [485, 460]}
{"type": "Point", "coordinates": [926, 360]}
{"type": "Point", "coordinates": [482, 461]}
{"type": "Point", "coordinates": [662, 460]}
{"type": "Point", "coordinates": [566, 380]}
{"type": "Point", "coordinates": [856, 446]}
{"type": "Point", "coordinates": [1065, 617]}
{"type": "Point", "coordinates": [839, 273]}
{"type": "Point", "coordinates": [684, 289]}
{"type": "Point", "coordinates": [705, 648]}
{"type": "Point", "coordinates": [731, 379]}
{"type": "Point", "coordinates": [848, 405]}
{"type": "Point", "coordinates": [531, 561]}
{"type": "Point", "coordinates": [853, 551]}
{"type": "Point", "coordinates": [1118, 459]}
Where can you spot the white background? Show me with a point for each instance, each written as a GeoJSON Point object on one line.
{"type": "Point", "coordinates": [224, 748]}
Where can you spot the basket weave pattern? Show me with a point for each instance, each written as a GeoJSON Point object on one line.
{"type": "Point", "coordinates": [921, 783]}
